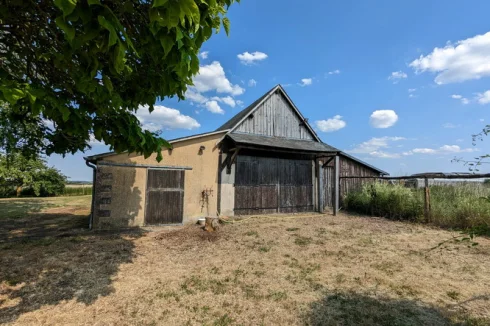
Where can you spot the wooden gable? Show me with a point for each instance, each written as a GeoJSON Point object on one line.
{"type": "Point", "coordinates": [276, 116]}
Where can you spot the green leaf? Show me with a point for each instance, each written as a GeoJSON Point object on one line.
{"type": "Point", "coordinates": [159, 3]}
{"type": "Point", "coordinates": [113, 38]}
{"type": "Point", "coordinates": [107, 83]}
{"type": "Point", "coordinates": [179, 34]}
{"type": "Point", "coordinates": [189, 9]}
{"type": "Point", "coordinates": [65, 112]}
{"type": "Point", "coordinates": [94, 2]}
{"type": "Point", "coordinates": [66, 28]}
{"type": "Point", "coordinates": [226, 25]}
{"type": "Point", "coordinates": [66, 6]}
{"type": "Point", "coordinates": [167, 43]}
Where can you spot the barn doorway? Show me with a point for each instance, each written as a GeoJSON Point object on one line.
{"type": "Point", "coordinates": [164, 197]}
{"type": "Point", "coordinates": [266, 185]}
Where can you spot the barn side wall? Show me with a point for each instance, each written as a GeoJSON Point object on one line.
{"type": "Point", "coordinates": [127, 185]}
{"type": "Point", "coordinates": [348, 168]}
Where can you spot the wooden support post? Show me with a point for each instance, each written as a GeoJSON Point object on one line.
{"type": "Point", "coordinates": [319, 176]}
{"type": "Point", "coordinates": [336, 180]}
{"type": "Point", "coordinates": [427, 201]}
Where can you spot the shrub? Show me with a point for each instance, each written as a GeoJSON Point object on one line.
{"type": "Point", "coordinates": [464, 206]}
{"type": "Point", "coordinates": [385, 200]}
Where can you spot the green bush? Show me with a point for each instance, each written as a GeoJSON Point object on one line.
{"type": "Point", "coordinates": [385, 200]}
{"type": "Point", "coordinates": [460, 206]}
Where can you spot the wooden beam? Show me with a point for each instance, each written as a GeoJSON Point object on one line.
{"type": "Point", "coordinates": [232, 160]}
{"type": "Point", "coordinates": [336, 191]}
{"type": "Point", "coordinates": [319, 175]}
{"type": "Point", "coordinates": [290, 151]}
{"type": "Point", "coordinates": [423, 176]}
{"type": "Point", "coordinates": [329, 160]}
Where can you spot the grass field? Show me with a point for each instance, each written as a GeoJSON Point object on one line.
{"type": "Point", "coordinates": [280, 270]}
{"type": "Point", "coordinates": [39, 217]}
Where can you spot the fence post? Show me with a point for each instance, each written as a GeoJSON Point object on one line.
{"type": "Point", "coordinates": [336, 185]}
{"type": "Point", "coordinates": [427, 201]}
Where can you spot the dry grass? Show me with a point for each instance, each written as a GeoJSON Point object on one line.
{"type": "Point", "coordinates": [291, 270]}
{"type": "Point", "coordinates": [22, 218]}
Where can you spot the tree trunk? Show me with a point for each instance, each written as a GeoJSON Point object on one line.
{"type": "Point", "coordinates": [19, 190]}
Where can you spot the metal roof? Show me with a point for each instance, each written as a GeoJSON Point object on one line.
{"type": "Point", "coordinates": [175, 140]}
{"type": "Point", "coordinates": [282, 143]}
{"type": "Point", "coordinates": [364, 163]}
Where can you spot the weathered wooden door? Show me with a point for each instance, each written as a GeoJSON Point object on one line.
{"type": "Point", "coordinates": [265, 185]}
{"type": "Point", "coordinates": [164, 197]}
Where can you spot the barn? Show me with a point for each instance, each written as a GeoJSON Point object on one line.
{"type": "Point", "coordinates": [267, 159]}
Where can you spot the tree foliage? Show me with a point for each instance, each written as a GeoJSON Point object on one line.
{"type": "Point", "coordinates": [32, 174]}
{"type": "Point", "coordinates": [20, 132]}
{"type": "Point", "coordinates": [475, 164]}
{"type": "Point", "coordinates": [88, 65]}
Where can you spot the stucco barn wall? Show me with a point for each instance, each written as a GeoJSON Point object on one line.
{"type": "Point", "coordinates": [119, 197]}
{"type": "Point", "coordinates": [129, 184]}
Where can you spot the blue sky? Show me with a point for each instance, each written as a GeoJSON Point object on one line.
{"type": "Point", "coordinates": [400, 84]}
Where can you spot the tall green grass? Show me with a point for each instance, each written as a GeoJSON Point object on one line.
{"type": "Point", "coordinates": [460, 206]}
{"type": "Point", "coordinates": [77, 190]}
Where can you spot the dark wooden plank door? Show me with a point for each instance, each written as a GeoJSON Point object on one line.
{"type": "Point", "coordinates": [265, 185]}
{"type": "Point", "coordinates": [295, 186]}
{"type": "Point", "coordinates": [164, 197]}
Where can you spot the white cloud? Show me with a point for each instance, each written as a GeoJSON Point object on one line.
{"type": "Point", "coordinates": [375, 144]}
{"type": "Point", "coordinates": [411, 90]}
{"type": "Point", "coordinates": [483, 98]}
{"type": "Point", "coordinates": [450, 125]}
{"type": "Point", "coordinates": [463, 100]}
{"type": "Point", "coordinates": [252, 83]}
{"type": "Point", "coordinates": [443, 150]}
{"type": "Point", "coordinates": [381, 154]}
{"type": "Point", "coordinates": [330, 125]}
{"type": "Point", "coordinates": [94, 142]}
{"type": "Point", "coordinates": [213, 107]}
{"type": "Point", "coordinates": [383, 118]}
{"type": "Point", "coordinates": [204, 54]}
{"type": "Point", "coordinates": [247, 58]}
{"type": "Point", "coordinates": [228, 100]}
{"type": "Point", "coordinates": [49, 124]}
{"type": "Point", "coordinates": [466, 60]}
{"type": "Point", "coordinates": [194, 96]}
{"type": "Point", "coordinates": [239, 102]}
{"type": "Point", "coordinates": [164, 118]}
{"type": "Point", "coordinates": [306, 82]}
{"type": "Point", "coordinates": [212, 78]}
{"type": "Point", "coordinates": [396, 76]}
{"type": "Point", "coordinates": [334, 72]}
{"type": "Point", "coordinates": [481, 120]}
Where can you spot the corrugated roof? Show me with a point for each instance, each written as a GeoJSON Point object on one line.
{"type": "Point", "coordinates": [175, 140]}
{"type": "Point", "coordinates": [364, 163]}
{"type": "Point", "coordinates": [282, 143]}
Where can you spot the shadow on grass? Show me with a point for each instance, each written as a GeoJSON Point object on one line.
{"type": "Point", "coordinates": [351, 309]}
{"type": "Point", "coordinates": [45, 271]}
